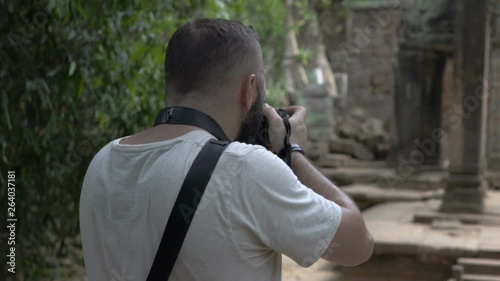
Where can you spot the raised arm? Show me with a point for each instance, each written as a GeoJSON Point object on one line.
{"type": "Point", "coordinates": [352, 243]}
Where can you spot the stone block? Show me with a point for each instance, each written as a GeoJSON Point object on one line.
{"type": "Point", "coordinates": [382, 150]}
{"type": "Point", "coordinates": [315, 149]}
{"type": "Point", "coordinates": [480, 266]}
{"type": "Point", "coordinates": [373, 132]}
{"type": "Point", "coordinates": [397, 268]}
{"type": "Point", "coordinates": [350, 128]}
{"type": "Point", "coordinates": [350, 147]}
{"type": "Point", "coordinates": [338, 178]}
{"type": "Point", "coordinates": [345, 176]}
{"type": "Point", "coordinates": [466, 199]}
{"type": "Point", "coordinates": [371, 194]}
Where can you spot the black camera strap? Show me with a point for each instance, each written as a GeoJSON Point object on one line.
{"type": "Point", "coordinates": [285, 152]}
{"type": "Point", "coordinates": [189, 116]}
{"type": "Point", "coordinates": [194, 185]}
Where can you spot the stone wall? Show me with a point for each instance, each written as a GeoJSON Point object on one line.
{"type": "Point", "coordinates": [318, 121]}
{"type": "Point", "coordinates": [363, 44]}
{"type": "Point", "coordinates": [363, 40]}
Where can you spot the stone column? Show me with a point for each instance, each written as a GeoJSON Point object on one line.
{"type": "Point", "coordinates": [465, 185]}
{"type": "Point", "coordinates": [493, 128]}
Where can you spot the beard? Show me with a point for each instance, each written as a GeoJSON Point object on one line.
{"type": "Point", "coordinates": [251, 124]}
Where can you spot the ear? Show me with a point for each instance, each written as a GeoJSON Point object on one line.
{"type": "Point", "coordinates": [248, 92]}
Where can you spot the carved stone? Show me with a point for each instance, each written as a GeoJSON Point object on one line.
{"type": "Point", "coordinates": [426, 42]}
{"type": "Point", "coordinates": [493, 123]}
{"type": "Point", "coordinates": [466, 186]}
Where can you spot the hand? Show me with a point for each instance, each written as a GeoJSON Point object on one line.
{"type": "Point", "coordinates": [277, 130]}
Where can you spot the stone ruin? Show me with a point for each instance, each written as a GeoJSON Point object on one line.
{"type": "Point", "coordinates": [380, 48]}
{"type": "Point", "coordinates": [414, 134]}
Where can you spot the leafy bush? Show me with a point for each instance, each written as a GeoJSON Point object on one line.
{"type": "Point", "coordinates": [76, 75]}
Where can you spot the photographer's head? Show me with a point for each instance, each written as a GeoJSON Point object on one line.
{"type": "Point", "coordinates": [216, 66]}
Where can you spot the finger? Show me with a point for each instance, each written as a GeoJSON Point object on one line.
{"type": "Point", "coordinates": [272, 116]}
{"type": "Point", "coordinates": [296, 112]}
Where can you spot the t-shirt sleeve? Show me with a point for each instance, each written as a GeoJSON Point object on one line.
{"type": "Point", "coordinates": [271, 209]}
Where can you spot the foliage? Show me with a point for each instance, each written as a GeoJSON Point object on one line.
{"type": "Point", "coordinates": [76, 75]}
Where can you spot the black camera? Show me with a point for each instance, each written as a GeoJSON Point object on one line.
{"type": "Point", "coordinates": [263, 132]}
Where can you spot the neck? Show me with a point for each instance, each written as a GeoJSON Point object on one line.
{"type": "Point", "coordinates": [229, 125]}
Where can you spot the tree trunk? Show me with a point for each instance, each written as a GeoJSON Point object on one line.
{"type": "Point", "coordinates": [295, 74]}
{"type": "Point", "coordinates": [312, 41]}
{"type": "Point", "coordinates": [317, 67]}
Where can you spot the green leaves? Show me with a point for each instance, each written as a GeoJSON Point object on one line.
{"type": "Point", "coordinates": [5, 105]}
{"type": "Point", "coordinates": [87, 74]}
{"type": "Point", "coordinates": [72, 68]}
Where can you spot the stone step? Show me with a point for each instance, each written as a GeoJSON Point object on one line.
{"type": "Point", "coordinates": [489, 248]}
{"type": "Point", "coordinates": [370, 194]}
{"type": "Point", "coordinates": [482, 219]}
{"type": "Point", "coordinates": [336, 160]}
{"type": "Point", "coordinates": [480, 266]}
{"type": "Point", "coordinates": [480, 277]}
{"type": "Point", "coordinates": [343, 176]}
{"type": "Point", "coordinates": [384, 177]}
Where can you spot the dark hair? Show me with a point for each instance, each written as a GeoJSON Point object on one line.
{"type": "Point", "coordinates": [202, 50]}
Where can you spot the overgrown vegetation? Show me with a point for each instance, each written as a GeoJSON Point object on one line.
{"type": "Point", "coordinates": [77, 74]}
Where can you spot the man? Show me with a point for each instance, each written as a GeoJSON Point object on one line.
{"type": "Point", "coordinates": [255, 207]}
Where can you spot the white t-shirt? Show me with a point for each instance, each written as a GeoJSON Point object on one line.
{"type": "Point", "coordinates": [254, 208]}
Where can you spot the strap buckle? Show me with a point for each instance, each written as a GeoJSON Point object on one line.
{"type": "Point", "coordinates": [169, 113]}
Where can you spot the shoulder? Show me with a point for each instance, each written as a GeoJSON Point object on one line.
{"type": "Point", "coordinates": [249, 154]}
{"type": "Point", "coordinates": [102, 154]}
{"type": "Point", "coordinates": [243, 149]}
{"type": "Point", "coordinates": [256, 166]}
